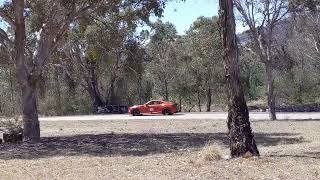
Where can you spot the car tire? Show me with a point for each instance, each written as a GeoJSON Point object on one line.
{"type": "Point", "coordinates": [136, 112]}
{"type": "Point", "coordinates": [166, 112]}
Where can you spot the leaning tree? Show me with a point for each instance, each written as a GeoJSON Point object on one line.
{"type": "Point", "coordinates": [240, 134]}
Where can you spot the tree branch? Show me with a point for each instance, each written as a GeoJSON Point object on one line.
{"type": "Point", "coordinates": [7, 18]}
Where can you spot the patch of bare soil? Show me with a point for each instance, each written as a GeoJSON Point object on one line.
{"type": "Point", "coordinates": [162, 149]}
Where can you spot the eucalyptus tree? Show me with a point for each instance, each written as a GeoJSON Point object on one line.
{"type": "Point", "coordinates": [134, 69]}
{"type": "Point", "coordinates": [240, 134]}
{"type": "Point", "coordinates": [262, 17]}
{"type": "Point", "coordinates": [161, 50]}
{"type": "Point", "coordinates": [104, 60]}
{"type": "Point", "coordinates": [204, 40]}
{"type": "Point", "coordinates": [33, 45]}
{"type": "Point", "coordinates": [307, 17]}
{"type": "Point", "coordinates": [303, 48]}
{"type": "Point", "coordinates": [184, 83]}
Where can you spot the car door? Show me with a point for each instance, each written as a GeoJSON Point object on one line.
{"type": "Point", "coordinates": [150, 107]}
{"type": "Point", "coordinates": [155, 107]}
{"type": "Point", "coordinates": [144, 109]}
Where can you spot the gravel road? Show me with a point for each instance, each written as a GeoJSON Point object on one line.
{"type": "Point", "coordinates": [187, 116]}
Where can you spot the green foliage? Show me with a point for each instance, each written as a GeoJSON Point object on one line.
{"type": "Point", "coordinates": [189, 65]}
{"type": "Point", "coordinates": [252, 74]}
{"type": "Point", "coordinates": [163, 32]}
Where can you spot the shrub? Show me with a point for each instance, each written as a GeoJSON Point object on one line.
{"type": "Point", "coordinates": [12, 129]}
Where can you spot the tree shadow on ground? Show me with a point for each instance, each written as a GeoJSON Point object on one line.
{"type": "Point", "coordinates": [311, 155]}
{"type": "Point", "coordinates": [288, 120]}
{"type": "Point", "coordinates": [129, 144]}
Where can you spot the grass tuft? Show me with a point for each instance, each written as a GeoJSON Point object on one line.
{"type": "Point", "coordinates": [211, 152]}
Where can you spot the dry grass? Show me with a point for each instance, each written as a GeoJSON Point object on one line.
{"type": "Point", "coordinates": [211, 152]}
{"type": "Point", "coordinates": [162, 149]}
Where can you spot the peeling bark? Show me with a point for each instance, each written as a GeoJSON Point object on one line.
{"type": "Point", "coordinates": [271, 95]}
{"type": "Point", "coordinates": [240, 134]}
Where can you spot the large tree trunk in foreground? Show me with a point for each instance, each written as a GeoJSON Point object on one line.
{"type": "Point", "coordinates": [241, 138]}
{"type": "Point", "coordinates": [27, 82]}
{"type": "Point", "coordinates": [30, 113]}
{"type": "Point", "coordinates": [271, 96]}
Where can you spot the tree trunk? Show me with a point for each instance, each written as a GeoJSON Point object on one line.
{"type": "Point", "coordinates": [180, 103]}
{"type": "Point", "coordinates": [209, 99]}
{"type": "Point", "coordinates": [240, 133]}
{"type": "Point", "coordinates": [300, 93]}
{"type": "Point", "coordinates": [111, 94]}
{"type": "Point", "coordinates": [12, 93]}
{"type": "Point", "coordinates": [271, 96]}
{"type": "Point", "coordinates": [30, 112]}
{"type": "Point", "coordinates": [93, 88]}
{"type": "Point", "coordinates": [27, 82]}
{"type": "Point", "coordinates": [57, 89]}
{"type": "Point", "coordinates": [270, 79]}
{"type": "Point", "coordinates": [71, 85]}
{"type": "Point", "coordinates": [166, 90]}
{"type": "Point", "coordinates": [140, 89]}
{"type": "Point", "coordinates": [199, 101]}
{"type": "Point", "coordinates": [95, 97]}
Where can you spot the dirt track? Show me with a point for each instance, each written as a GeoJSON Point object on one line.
{"type": "Point", "coordinates": [180, 116]}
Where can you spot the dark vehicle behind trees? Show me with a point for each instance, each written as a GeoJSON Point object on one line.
{"type": "Point", "coordinates": [113, 109]}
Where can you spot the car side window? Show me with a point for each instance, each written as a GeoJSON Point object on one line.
{"type": "Point", "coordinates": [154, 103]}
{"type": "Point", "coordinates": [151, 103]}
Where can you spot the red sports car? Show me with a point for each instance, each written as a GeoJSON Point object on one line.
{"type": "Point", "coordinates": [153, 107]}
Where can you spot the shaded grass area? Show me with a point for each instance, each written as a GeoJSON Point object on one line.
{"type": "Point", "coordinates": [131, 144]}
{"type": "Point", "coordinates": [289, 120]}
{"type": "Point", "coordinates": [306, 155]}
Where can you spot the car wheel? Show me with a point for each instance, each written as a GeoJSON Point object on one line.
{"type": "Point", "coordinates": [136, 112]}
{"type": "Point", "coordinates": [166, 112]}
